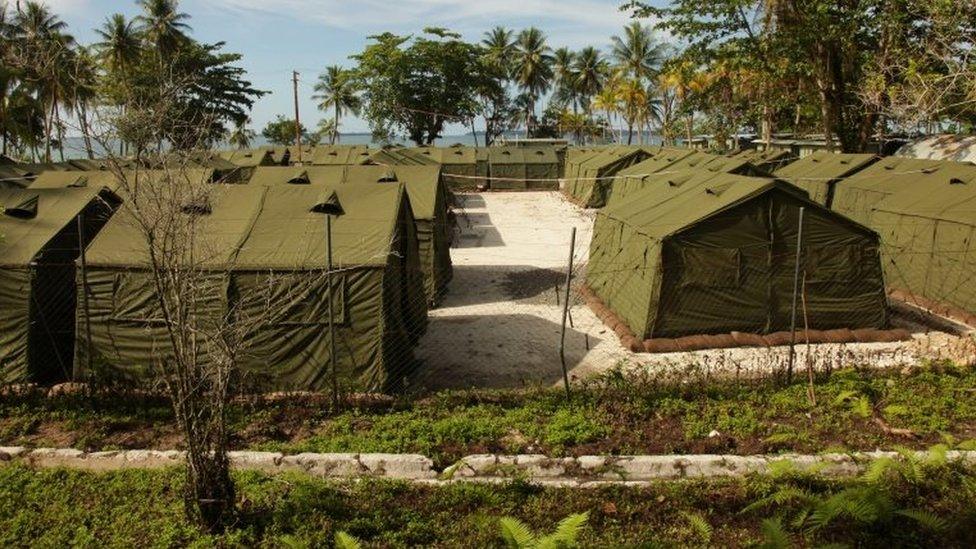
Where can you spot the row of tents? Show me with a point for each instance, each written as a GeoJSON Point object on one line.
{"type": "Point", "coordinates": [265, 247]}
{"type": "Point", "coordinates": [526, 166]}
{"type": "Point", "coordinates": [690, 243]}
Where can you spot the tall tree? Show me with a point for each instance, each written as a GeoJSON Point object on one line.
{"type": "Point", "coordinates": [590, 72]}
{"type": "Point", "coordinates": [636, 53]}
{"type": "Point", "coordinates": [163, 26]}
{"type": "Point", "coordinates": [499, 46]}
{"type": "Point", "coordinates": [418, 84]}
{"type": "Point", "coordinates": [337, 90]}
{"type": "Point", "coordinates": [241, 136]}
{"type": "Point", "coordinates": [120, 44]}
{"type": "Point", "coordinates": [532, 69]}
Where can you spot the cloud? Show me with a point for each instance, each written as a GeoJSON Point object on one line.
{"type": "Point", "coordinates": [59, 7]}
{"type": "Point", "coordinates": [570, 22]}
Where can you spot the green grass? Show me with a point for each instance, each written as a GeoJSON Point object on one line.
{"type": "Point", "coordinates": [57, 508]}
{"type": "Point", "coordinates": [612, 415]}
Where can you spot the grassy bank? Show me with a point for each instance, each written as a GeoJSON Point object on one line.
{"type": "Point", "coordinates": [855, 410]}
{"type": "Point", "coordinates": [54, 508]}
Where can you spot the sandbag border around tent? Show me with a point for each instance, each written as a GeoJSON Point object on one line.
{"type": "Point", "coordinates": [731, 340]}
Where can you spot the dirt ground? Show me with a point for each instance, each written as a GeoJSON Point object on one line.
{"type": "Point", "coordinates": [499, 324]}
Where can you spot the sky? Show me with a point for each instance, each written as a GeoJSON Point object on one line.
{"type": "Point", "coordinates": [278, 36]}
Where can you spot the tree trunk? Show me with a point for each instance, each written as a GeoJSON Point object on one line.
{"type": "Point", "coordinates": [767, 125]}
{"type": "Point", "coordinates": [85, 130]}
{"type": "Point", "coordinates": [689, 127]}
{"type": "Point", "coordinates": [48, 123]}
{"type": "Point", "coordinates": [335, 129]}
{"type": "Point", "coordinates": [630, 132]}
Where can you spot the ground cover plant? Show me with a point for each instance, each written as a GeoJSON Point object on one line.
{"type": "Point", "coordinates": [925, 502]}
{"type": "Point", "coordinates": [615, 414]}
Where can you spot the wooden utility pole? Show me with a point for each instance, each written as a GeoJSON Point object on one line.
{"type": "Point", "coordinates": [298, 122]}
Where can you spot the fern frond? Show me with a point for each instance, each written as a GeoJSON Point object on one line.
{"type": "Point", "coordinates": [967, 445]}
{"type": "Point", "coordinates": [844, 396]}
{"type": "Point", "coordinates": [774, 534]}
{"type": "Point", "coordinates": [700, 525]}
{"type": "Point", "coordinates": [937, 456]}
{"type": "Point", "coordinates": [346, 541]}
{"type": "Point", "coordinates": [927, 519]}
{"type": "Point", "coordinates": [780, 497]}
{"type": "Point", "coordinates": [878, 468]}
{"type": "Point", "coordinates": [862, 407]}
{"type": "Point", "coordinates": [567, 532]}
{"type": "Point", "coordinates": [516, 534]}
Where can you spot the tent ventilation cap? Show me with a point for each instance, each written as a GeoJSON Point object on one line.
{"type": "Point", "coordinates": [328, 203]}
{"type": "Point", "coordinates": [81, 181]}
{"type": "Point", "coordinates": [718, 189]}
{"type": "Point", "coordinates": [930, 170]}
{"type": "Point", "coordinates": [24, 209]}
{"type": "Point", "coordinates": [957, 181]}
{"type": "Point", "coordinates": [300, 179]}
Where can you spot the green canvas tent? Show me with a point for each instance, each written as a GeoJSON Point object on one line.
{"type": "Point", "coordinates": [339, 155]}
{"type": "Point", "coordinates": [717, 255]}
{"type": "Point", "coordinates": [592, 186]}
{"type": "Point", "coordinates": [109, 180]}
{"type": "Point", "coordinates": [820, 172]}
{"type": "Point", "coordinates": [766, 161]}
{"type": "Point", "coordinates": [260, 247]}
{"type": "Point", "coordinates": [249, 158]}
{"type": "Point", "coordinates": [928, 231]}
{"type": "Point", "coordinates": [856, 196]}
{"type": "Point", "coordinates": [428, 204]}
{"type": "Point", "coordinates": [665, 160]}
{"type": "Point", "coordinates": [463, 168]}
{"type": "Point", "coordinates": [523, 168]}
{"type": "Point", "coordinates": [396, 156]}
{"type": "Point", "coordinates": [634, 184]}
{"type": "Point", "coordinates": [575, 156]}
{"type": "Point", "coordinates": [38, 248]}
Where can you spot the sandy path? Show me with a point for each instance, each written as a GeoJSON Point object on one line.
{"type": "Point", "coordinates": [499, 323]}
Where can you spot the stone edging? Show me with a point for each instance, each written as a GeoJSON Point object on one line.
{"type": "Point", "coordinates": [538, 469]}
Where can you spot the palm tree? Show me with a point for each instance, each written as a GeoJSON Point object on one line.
{"type": "Point", "coordinates": [337, 90]}
{"type": "Point", "coordinates": [499, 47]}
{"type": "Point", "coordinates": [607, 100]}
{"type": "Point", "coordinates": [636, 54]}
{"type": "Point", "coordinates": [84, 78]}
{"type": "Point", "coordinates": [590, 71]}
{"type": "Point", "coordinates": [120, 46]}
{"type": "Point", "coordinates": [532, 69]}
{"type": "Point", "coordinates": [241, 136]}
{"type": "Point", "coordinates": [45, 48]}
{"type": "Point", "coordinates": [564, 78]}
{"type": "Point", "coordinates": [163, 25]}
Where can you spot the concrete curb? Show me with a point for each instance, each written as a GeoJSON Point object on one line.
{"type": "Point", "coordinates": [583, 471]}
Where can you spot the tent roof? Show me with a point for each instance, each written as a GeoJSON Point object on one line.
{"type": "Point", "coordinates": [661, 160]}
{"type": "Point", "coordinates": [53, 210]}
{"type": "Point", "coordinates": [288, 234]}
{"type": "Point", "coordinates": [824, 166]}
{"type": "Point", "coordinates": [690, 197]}
{"type": "Point", "coordinates": [231, 212]}
{"type": "Point", "coordinates": [400, 157]}
{"type": "Point", "coordinates": [61, 180]}
{"type": "Point", "coordinates": [947, 194]}
{"type": "Point", "coordinates": [328, 155]}
{"type": "Point", "coordinates": [422, 182]}
{"type": "Point", "coordinates": [893, 174]}
{"type": "Point", "coordinates": [108, 179]}
{"type": "Point", "coordinates": [247, 158]}
{"type": "Point", "coordinates": [448, 155]}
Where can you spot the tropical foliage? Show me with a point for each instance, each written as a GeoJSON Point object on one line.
{"type": "Point", "coordinates": [50, 84]}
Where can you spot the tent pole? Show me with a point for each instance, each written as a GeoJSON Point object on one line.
{"type": "Point", "coordinates": [562, 335]}
{"type": "Point", "coordinates": [332, 345]}
{"type": "Point", "coordinates": [796, 289]}
{"type": "Point", "coordinates": [83, 263]}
